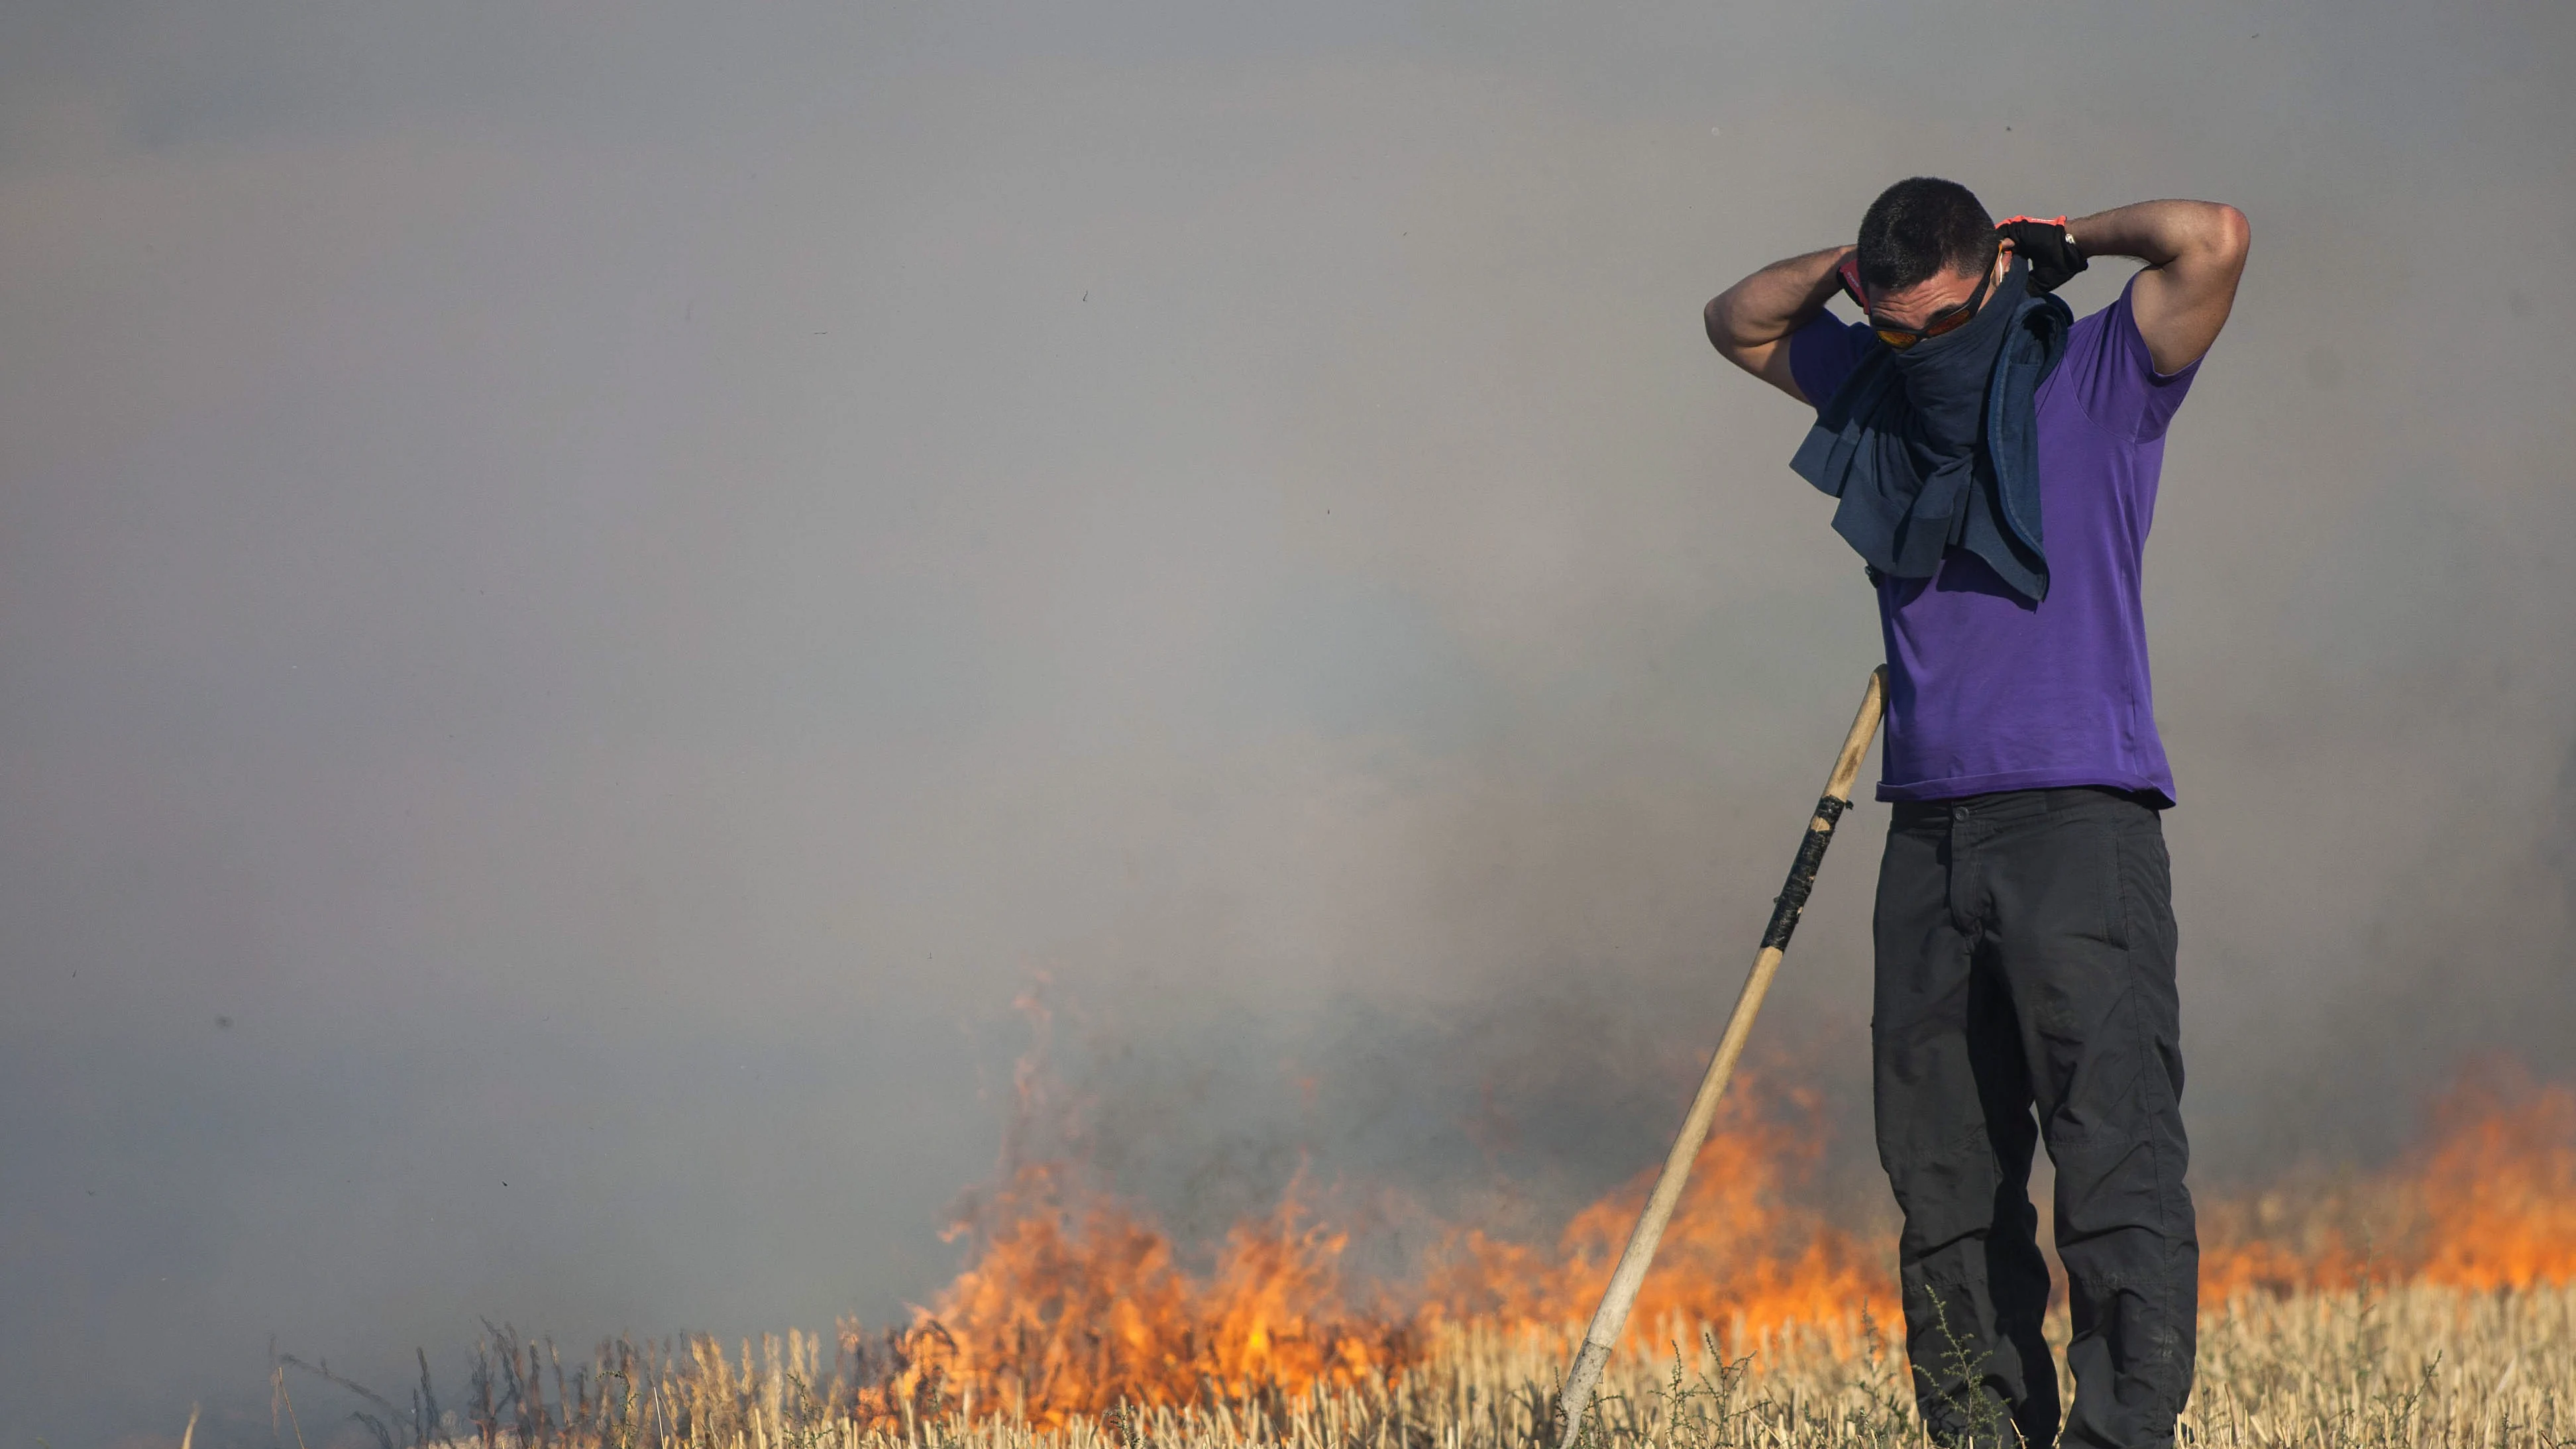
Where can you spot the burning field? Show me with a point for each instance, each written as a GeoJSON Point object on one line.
{"type": "Point", "coordinates": [2432, 1303]}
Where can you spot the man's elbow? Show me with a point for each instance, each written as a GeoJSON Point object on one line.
{"type": "Point", "coordinates": [1715, 318]}
{"type": "Point", "coordinates": [1728, 333]}
{"type": "Point", "coordinates": [2226, 236]}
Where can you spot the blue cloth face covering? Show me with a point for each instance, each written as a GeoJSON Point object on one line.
{"type": "Point", "coordinates": [1936, 447]}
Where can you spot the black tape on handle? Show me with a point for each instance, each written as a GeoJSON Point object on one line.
{"type": "Point", "coordinates": [1792, 900]}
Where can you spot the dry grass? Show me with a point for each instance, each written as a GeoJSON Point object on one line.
{"type": "Point", "coordinates": [2414, 1366]}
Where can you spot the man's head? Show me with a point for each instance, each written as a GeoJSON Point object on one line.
{"type": "Point", "coordinates": [1925, 244]}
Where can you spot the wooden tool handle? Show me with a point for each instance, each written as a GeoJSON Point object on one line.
{"type": "Point", "coordinates": [1612, 1316]}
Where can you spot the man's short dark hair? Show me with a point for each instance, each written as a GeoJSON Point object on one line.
{"type": "Point", "coordinates": [1921, 226]}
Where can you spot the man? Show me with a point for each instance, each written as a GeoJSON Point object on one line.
{"type": "Point", "coordinates": [1995, 464]}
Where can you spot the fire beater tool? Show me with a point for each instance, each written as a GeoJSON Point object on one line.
{"type": "Point", "coordinates": [1612, 1315]}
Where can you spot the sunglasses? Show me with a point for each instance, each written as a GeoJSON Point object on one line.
{"type": "Point", "coordinates": [1900, 338]}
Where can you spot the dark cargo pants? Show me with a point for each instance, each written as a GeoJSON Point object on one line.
{"type": "Point", "coordinates": [2026, 959]}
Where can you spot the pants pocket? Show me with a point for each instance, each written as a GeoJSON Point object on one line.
{"type": "Point", "coordinates": [2115, 894]}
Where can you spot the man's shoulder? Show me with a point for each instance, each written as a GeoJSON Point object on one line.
{"type": "Point", "coordinates": [2108, 374]}
{"type": "Point", "coordinates": [2110, 326]}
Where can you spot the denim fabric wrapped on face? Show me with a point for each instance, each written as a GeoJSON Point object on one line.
{"type": "Point", "coordinates": [1898, 443]}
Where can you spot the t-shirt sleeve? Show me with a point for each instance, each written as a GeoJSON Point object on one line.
{"type": "Point", "coordinates": [1824, 352]}
{"type": "Point", "coordinates": [2115, 378]}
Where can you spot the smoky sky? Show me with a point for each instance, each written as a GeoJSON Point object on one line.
{"type": "Point", "coordinates": [589, 592]}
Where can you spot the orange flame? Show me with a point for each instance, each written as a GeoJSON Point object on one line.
{"type": "Point", "coordinates": [1743, 1251]}
{"type": "Point", "coordinates": [2488, 1203]}
{"type": "Point", "coordinates": [1075, 1303]}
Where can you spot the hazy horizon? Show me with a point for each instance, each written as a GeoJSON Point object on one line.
{"type": "Point", "coordinates": [590, 594]}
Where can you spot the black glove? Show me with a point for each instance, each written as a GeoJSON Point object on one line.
{"type": "Point", "coordinates": [2049, 248]}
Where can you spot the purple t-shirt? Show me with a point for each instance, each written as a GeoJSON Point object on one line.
{"type": "Point", "coordinates": [1988, 691]}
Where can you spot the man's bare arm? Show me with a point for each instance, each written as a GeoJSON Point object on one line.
{"type": "Point", "coordinates": [1750, 322]}
{"type": "Point", "coordinates": [2194, 251]}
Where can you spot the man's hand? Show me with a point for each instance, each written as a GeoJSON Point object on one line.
{"type": "Point", "coordinates": [2047, 245]}
{"type": "Point", "coordinates": [2194, 251]}
{"type": "Point", "coordinates": [1750, 322]}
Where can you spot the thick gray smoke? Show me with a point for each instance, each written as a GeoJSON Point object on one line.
{"type": "Point", "coordinates": [586, 595]}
